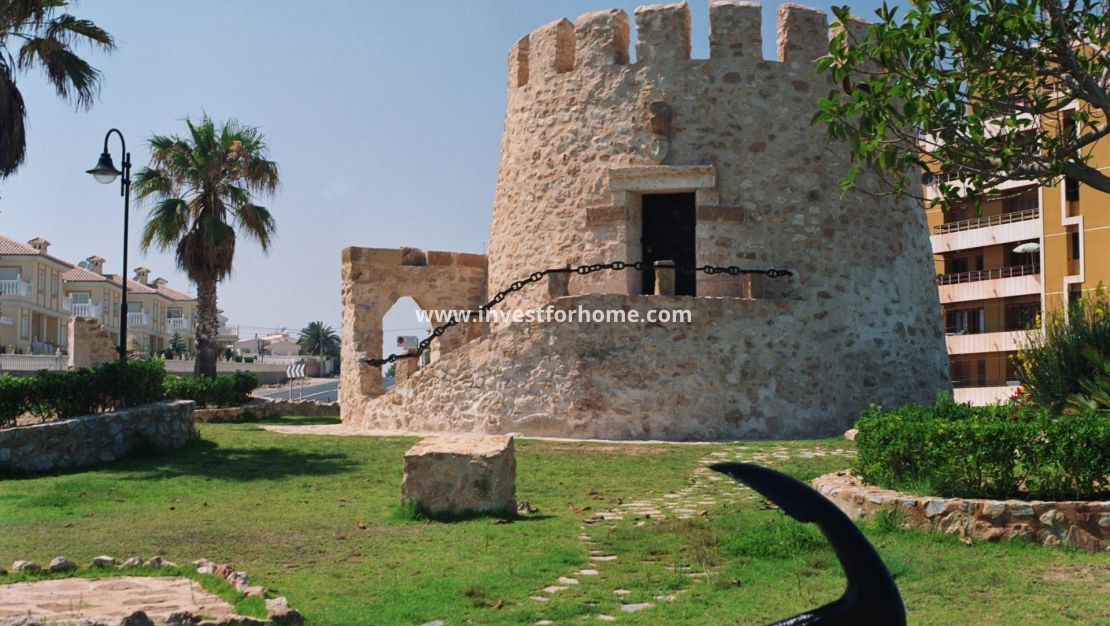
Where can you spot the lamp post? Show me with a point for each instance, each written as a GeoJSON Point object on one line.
{"type": "Point", "coordinates": [105, 172]}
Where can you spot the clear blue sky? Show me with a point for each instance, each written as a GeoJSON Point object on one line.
{"type": "Point", "coordinates": [385, 119]}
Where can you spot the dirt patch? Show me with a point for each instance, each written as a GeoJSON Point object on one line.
{"type": "Point", "coordinates": [109, 599]}
{"type": "Point", "coordinates": [1085, 573]}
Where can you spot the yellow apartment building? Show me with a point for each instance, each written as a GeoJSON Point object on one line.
{"type": "Point", "coordinates": [39, 293]}
{"type": "Point", "coordinates": [34, 312]}
{"type": "Point", "coordinates": [1021, 258]}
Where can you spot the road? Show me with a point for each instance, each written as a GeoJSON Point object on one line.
{"type": "Point", "coordinates": [319, 389]}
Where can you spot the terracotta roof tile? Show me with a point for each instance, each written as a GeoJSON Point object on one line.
{"type": "Point", "coordinates": [82, 275]}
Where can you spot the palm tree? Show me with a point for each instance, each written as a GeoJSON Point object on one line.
{"type": "Point", "coordinates": [319, 339]}
{"type": "Point", "coordinates": [45, 37]}
{"type": "Point", "coordinates": [202, 188]}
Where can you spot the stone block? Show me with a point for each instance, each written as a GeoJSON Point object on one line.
{"type": "Point", "coordinates": [461, 475]}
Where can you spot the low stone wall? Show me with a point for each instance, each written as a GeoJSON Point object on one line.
{"type": "Point", "coordinates": [1082, 524]}
{"type": "Point", "coordinates": [741, 369]}
{"type": "Point", "coordinates": [261, 408]}
{"type": "Point", "coordinates": [93, 439]}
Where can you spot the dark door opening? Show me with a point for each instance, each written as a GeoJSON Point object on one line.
{"type": "Point", "coordinates": [668, 234]}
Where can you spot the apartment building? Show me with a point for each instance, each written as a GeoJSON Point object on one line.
{"type": "Point", "coordinates": [34, 311]}
{"type": "Point", "coordinates": [1022, 257]}
{"type": "Point", "coordinates": [39, 293]}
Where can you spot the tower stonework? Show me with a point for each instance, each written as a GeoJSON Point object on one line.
{"type": "Point", "coordinates": [594, 146]}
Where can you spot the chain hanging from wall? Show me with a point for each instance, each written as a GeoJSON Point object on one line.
{"type": "Point", "coordinates": [581, 270]}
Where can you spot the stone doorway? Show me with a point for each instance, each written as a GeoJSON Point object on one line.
{"type": "Point", "coordinates": [668, 233]}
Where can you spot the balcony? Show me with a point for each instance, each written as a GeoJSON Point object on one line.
{"type": "Point", "coordinates": [981, 343]}
{"type": "Point", "coordinates": [174, 324]}
{"type": "Point", "coordinates": [1000, 282]}
{"type": "Point", "coordinates": [15, 287]}
{"type": "Point", "coordinates": [991, 220]}
{"type": "Point", "coordinates": [987, 231]}
{"type": "Point", "coordinates": [86, 310]}
{"type": "Point", "coordinates": [138, 318]}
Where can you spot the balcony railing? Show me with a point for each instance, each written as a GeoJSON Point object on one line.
{"type": "Point", "coordinates": [86, 309]}
{"type": "Point", "coordinates": [138, 318]}
{"type": "Point", "coordinates": [228, 331]}
{"type": "Point", "coordinates": [991, 220]}
{"type": "Point", "coordinates": [177, 323]}
{"type": "Point", "coordinates": [15, 287]}
{"type": "Point", "coordinates": [991, 274]}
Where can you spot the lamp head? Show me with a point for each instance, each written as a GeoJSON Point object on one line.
{"type": "Point", "coordinates": [105, 171]}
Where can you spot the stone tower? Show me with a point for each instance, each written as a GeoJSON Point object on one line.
{"type": "Point", "coordinates": [699, 161]}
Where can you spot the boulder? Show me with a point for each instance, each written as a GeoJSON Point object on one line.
{"type": "Point", "coordinates": [104, 561]}
{"type": "Point", "coordinates": [134, 561]}
{"type": "Point", "coordinates": [62, 564]}
{"type": "Point", "coordinates": [138, 618]}
{"type": "Point", "coordinates": [461, 475]}
{"type": "Point", "coordinates": [26, 566]}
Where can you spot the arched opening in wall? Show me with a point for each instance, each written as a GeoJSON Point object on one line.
{"type": "Point", "coordinates": [402, 329]}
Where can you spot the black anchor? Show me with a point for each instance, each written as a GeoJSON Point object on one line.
{"type": "Point", "coordinates": [871, 596]}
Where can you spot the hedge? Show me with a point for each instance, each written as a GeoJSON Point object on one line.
{"type": "Point", "coordinates": [1001, 451]}
{"type": "Point", "coordinates": [220, 391]}
{"type": "Point", "coordinates": [58, 395]}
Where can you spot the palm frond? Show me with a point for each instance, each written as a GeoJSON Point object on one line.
{"type": "Point", "coordinates": [167, 222]}
{"type": "Point", "coordinates": [73, 78]}
{"type": "Point", "coordinates": [13, 116]}
{"type": "Point", "coordinates": [72, 30]}
{"type": "Point", "coordinates": [257, 223]}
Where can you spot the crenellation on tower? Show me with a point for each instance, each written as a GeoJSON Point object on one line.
{"type": "Point", "coordinates": [662, 33]}
{"type": "Point", "coordinates": [803, 33]}
{"type": "Point", "coordinates": [551, 50]}
{"type": "Point", "coordinates": [601, 38]}
{"type": "Point", "coordinates": [518, 63]}
{"type": "Point", "coordinates": [734, 30]}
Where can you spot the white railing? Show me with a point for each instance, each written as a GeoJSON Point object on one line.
{"type": "Point", "coordinates": [992, 220]}
{"type": "Point", "coordinates": [228, 331]}
{"type": "Point", "coordinates": [177, 323]}
{"type": "Point", "coordinates": [31, 363]}
{"type": "Point", "coordinates": [15, 287]}
{"type": "Point", "coordinates": [86, 309]}
{"type": "Point", "coordinates": [138, 318]}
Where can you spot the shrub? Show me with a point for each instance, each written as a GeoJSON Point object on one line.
{"type": "Point", "coordinates": [999, 451]}
{"type": "Point", "coordinates": [230, 390]}
{"type": "Point", "coordinates": [1065, 368]}
{"type": "Point", "coordinates": [59, 395]}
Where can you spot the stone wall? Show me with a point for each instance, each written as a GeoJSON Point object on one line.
{"type": "Point", "coordinates": [262, 408]}
{"type": "Point", "coordinates": [373, 280]}
{"type": "Point", "coordinates": [93, 439]}
{"type": "Point", "coordinates": [1084, 525]}
{"type": "Point", "coordinates": [741, 369]}
{"type": "Point", "coordinates": [89, 344]}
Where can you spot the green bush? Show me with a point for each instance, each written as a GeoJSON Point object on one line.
{"type": "Point", "coordinates": [1065, 368]}
{"type": "Point", "coordinates": [58, 395]}
{"type": "Point", "coordinates": [1001, 451]}
{"type": "Point", "coordinates": [230, 390]}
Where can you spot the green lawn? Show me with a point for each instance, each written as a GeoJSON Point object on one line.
{"type": "Point", "coordinates": [317, 519]}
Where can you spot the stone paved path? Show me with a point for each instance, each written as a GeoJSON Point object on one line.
{"type": "Point", "coordinates": [706, 490]}
{"type": "Point", "coordinates": [109, 599]}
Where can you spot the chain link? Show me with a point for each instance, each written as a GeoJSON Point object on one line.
{"type": "Point", "coordinates": [535, 277]}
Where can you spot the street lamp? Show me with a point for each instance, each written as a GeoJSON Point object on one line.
{"type": "Point", "coordinates": [105, 172]}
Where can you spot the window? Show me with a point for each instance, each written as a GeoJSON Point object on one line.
{"type": "Point", "coordinates": [25, 327]}
{"type": "Point", "coordinates": [80, 297]}
{"type": "Point", "coordinates": [1071, 189]}
{"type": "Point", "coordinates": [134, 307]}
{"type": "Point", "coordinates": [9, 273]}
{"type": "Point", "coordinates": [174, 313]}
{"type": "Point", "coordinates": [1022, 315]}
{"type": "Point", "coordinates": [63, 338]}
{"type": "Point", "coordinates": [961, 373]}
{"type": "Point", "coordinates": [981, 373]}
{"type": "Point", "coordinates": [979, 262]}
{"type": "Point", "coordinates": [1022, 201]}
{"type": "Point", "coordinates": [42, 280]}
{"type": "Point", "coordinates": [1073, 245]}
{"type": "Point", "coordinates": [957, 266]}
{"type": "Point", "coordinates": [54, 285]}
{"type": "Point", "coordinates": [1075, 296]}
{"type": "Point", "coordinates": [965, 321]}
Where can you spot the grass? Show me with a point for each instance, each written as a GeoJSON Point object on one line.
{"type": "Point", "coordinates": [318, 519]}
